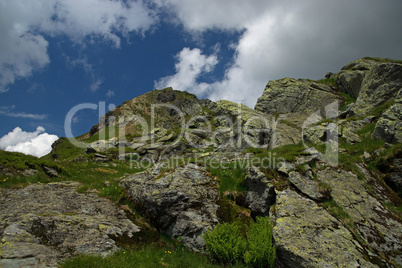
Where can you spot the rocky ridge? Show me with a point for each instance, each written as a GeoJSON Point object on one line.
{"type": "Point", "coordinates": [332, 191]}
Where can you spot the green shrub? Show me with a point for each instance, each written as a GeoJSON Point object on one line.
{"type": "Point", "coordinates": [225, 243]}
{"type": "Point", "coordinates": [261, 250]}
{"type": "Point", "coordinates": [234, 242]}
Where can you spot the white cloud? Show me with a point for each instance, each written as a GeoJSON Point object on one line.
{"type": "Point", "coordinates": [190, 65]}
{"type": "Point", "coordinates": [24, 24]}
{"type": "Point", "coordinates": [289, 38]}
{"type": "Point", "coordinates": [35, 143]}
{"type": "Point", "coordinates": [7, 111]}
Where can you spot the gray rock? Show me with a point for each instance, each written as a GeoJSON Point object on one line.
{"type": "Point", "coordinates": [51, 172]}
{"type": "Point", "coordinates": [321, 133]}
{"type": "Point", "coordinates": [372, 82]}
{"type": "Point", "coordinates": [285, 167]}
{"type": "Point", "coordinates": [389, 126]}
{"type": "Point", "coordinates": [45, 223]}
{"type": "Point", "coordinates": [372, 220]}
{"type": "Point", "coordinates": [307, 185]}
{"type": "Point", "coordinates": [180, 204]}
{"type": "Point", "coordinates": [260, 192]}
{"type": "Point", "coordinates": [101, 146]}
{"type": "Point", "coordinates": [168, 138]}
{"type": "Point", "coordinates": [306, 235]}
{"type": "Point", "coordinates": [289, 95]}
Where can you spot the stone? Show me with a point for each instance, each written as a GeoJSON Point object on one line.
{"type": "Point", "coordinates": [51, 172]}
{"type": "Point", "coordinates": [168, 138]}
{"type": "Point", "coordinates": [307, 185]}
{"type": "Point", "coordinates": [306, 235]}
{"type": "Point", "coordinates": [285, 167]}
{"type": "Point", "coordinates": [179, 204]}
{"type": "Point", "coordinates": [42, 224]}
{"type": "Point", "coordinates": [260, 192]}
{"type": "Point", "coordinates": [101, 146]}
{"type": "Point", "coordinates": [321, 133]}
{"type": "Point", "coordinates": [289, 95]}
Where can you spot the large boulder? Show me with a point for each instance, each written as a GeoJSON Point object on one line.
{"type": "Point", "coordinates": [376, 225]}
{"type": "Point", "coordinates": [372, 82]}
{"type": "Point", "coordinates": [44, 223]}
{"type": "Point", "coordinates": [306, 235]}
{"type": "Point", "coordinates": [289, 95]}
{"type": "Point", "coordinates": [180, 204]}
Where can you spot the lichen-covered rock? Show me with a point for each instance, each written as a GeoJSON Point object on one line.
{"type": "Point", "coordinates": [389, 126]}
{"type": "Point", "coordinates": [260, 192]}
{"type": "Point", "coordinates": [321, 133]}
{"type": "Point", "coordinates": [101, 146]}
{"type": "Point", "coordinates": [307, 185]}
{"type": "Point", "coordinates": [45, 223]}
{"type": "Point", "coordinates": [180, 204]}
{"type": "Point", "coordinates": [289, 95]}
{"type": "Point", "coordinates": [306, 235]}
{"type": "Point", "coordinates": [376, 225]}
{"type": "Point", "coordinates": [372, 82]}
{"type": "Point", "coordinates": [248, 128]}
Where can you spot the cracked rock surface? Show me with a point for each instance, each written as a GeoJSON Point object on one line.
{"type": "Point", "coordinates": [42, 224]}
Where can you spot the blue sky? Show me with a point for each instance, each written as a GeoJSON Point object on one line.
{"type": "Point", "coordinates": [56, 54]}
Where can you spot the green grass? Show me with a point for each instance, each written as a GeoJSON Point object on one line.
{"type": "Point", "coordinates": [354, 152]}
{"type": "Point", "coordinates": [286, 152]}
{"type": "Point", "coordinates": [347, 100]}
{"type": "Point", "coordinates": [337, 211]}
{"type": "Point", "coordinates": [385, 60]}
{"type": "Point", "coordinates": [326, 81]}
{"type": "Point", "coordinates": [231, 176]}
{"type": "Point", "coordinates": [377, 112]}
{"type": "Point", "coordinates": [148, 257]}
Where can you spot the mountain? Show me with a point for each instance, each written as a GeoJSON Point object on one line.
{"type": "Point", "coordinates": [322, 160]}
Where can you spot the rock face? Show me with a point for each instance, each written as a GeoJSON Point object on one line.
{"type": "Point", "coordinates": [180, 204]}
{"type": "Point", "coordinates": [45, 223]}
{"type": "Point", "coordinates": [289, 95]}
{"type": "Point", "coordinates": [377, 226]}
{"type": "Point", "coordinates": [372, 82]}
{"type": "Point", "coordinates": [306, 235]}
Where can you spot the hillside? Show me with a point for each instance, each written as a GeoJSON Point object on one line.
{"type": "Point", "coordinates": [320, 160]}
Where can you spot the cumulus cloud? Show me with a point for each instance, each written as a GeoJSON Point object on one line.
{"type": "Point", "coordinates": [290, 38]}
{"type": "Point", "coordinates": [191, 63]}
{"type": "Point", "coordinates": [37, 143]}
{"type": "Point", "coordinates": [24, 25]}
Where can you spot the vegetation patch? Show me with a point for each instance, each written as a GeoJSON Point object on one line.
{"type": "Point", "coordinates": [236, 242]}
{"type": "Point", "coordinates": [385, 60]}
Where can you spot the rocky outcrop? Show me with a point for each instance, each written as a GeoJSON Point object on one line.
{"type": "Point", "coordinates": [371, 82]}
{"type": "Point", "coordinates": [377, 226]}
{"type": "Point", "coordinates": [306, 235]}
{"type": "Point", "coordinates": [180, 204]}
{"type": "Point", "coordinates": [45, 223]}
{"type": "Point", "coordinates": [289, 95]}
